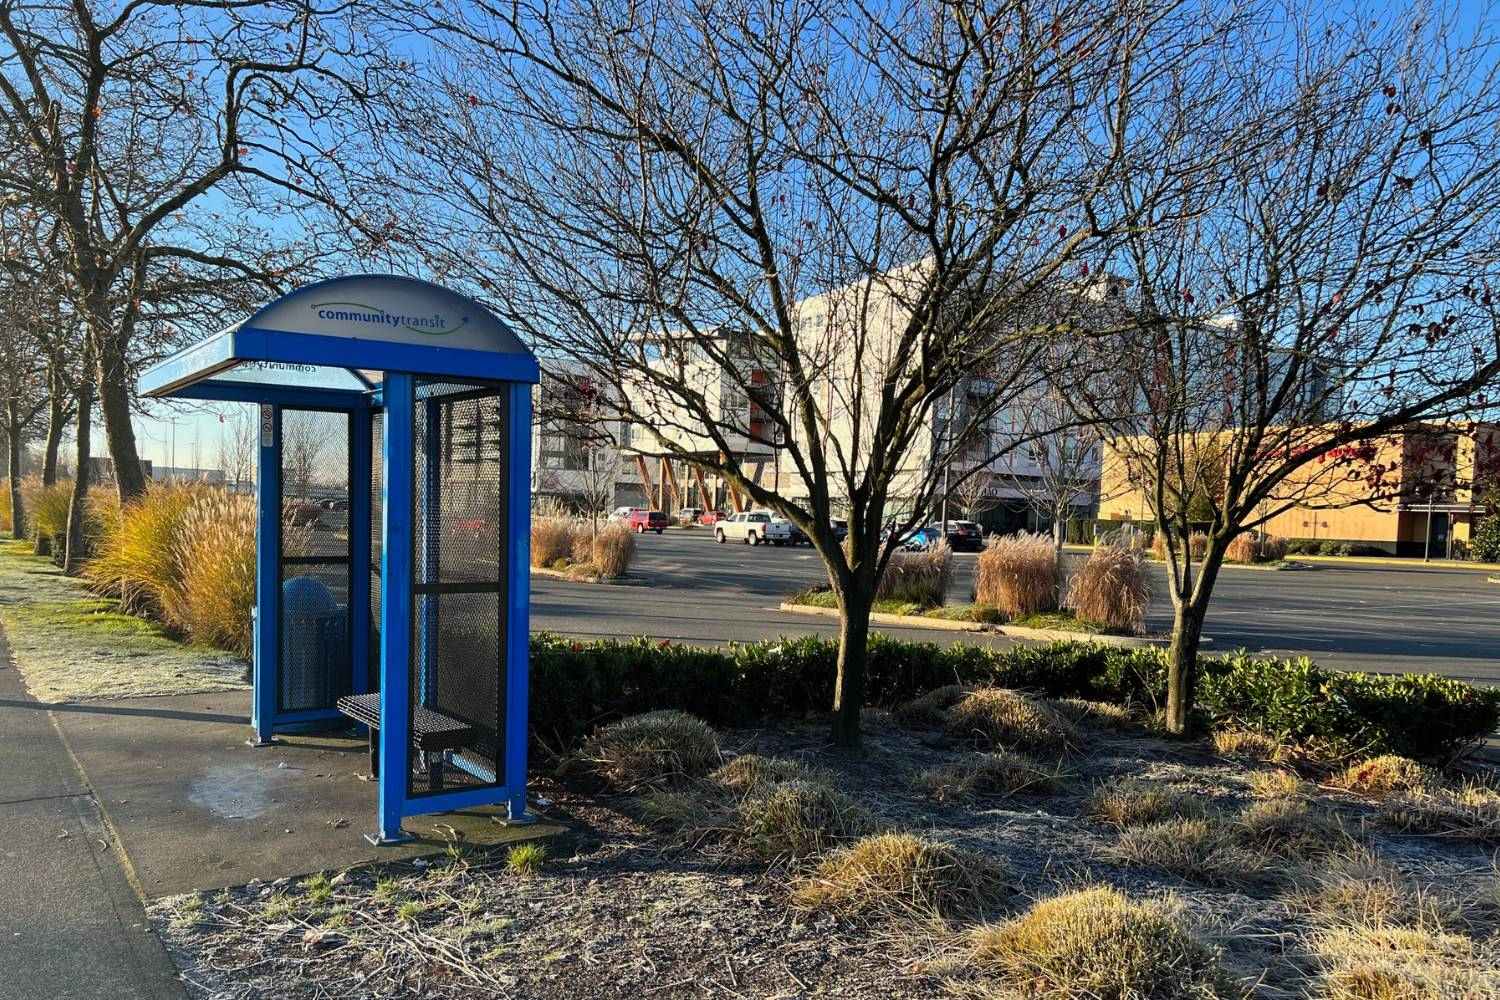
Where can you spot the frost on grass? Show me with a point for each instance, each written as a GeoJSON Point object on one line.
{"type": "Point", "coordinates": [71, 645]}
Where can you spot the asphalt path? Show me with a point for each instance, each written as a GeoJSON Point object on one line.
{"type": "Point", "coordinates": [686, 588]}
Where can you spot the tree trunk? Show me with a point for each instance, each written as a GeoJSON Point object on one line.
{"type": "Point", "coordinates": [74, 542]}
{"type": "Point", "coordinates": [1190, 608]}
{"type": "Point", "coordinates": [854, 642]}
{"type": "Point", "coordinates": [57, 421]}
{"type": "Point", "coordinates": [13, 471]}
{"type": "Point", "coordinates": [114, 403]}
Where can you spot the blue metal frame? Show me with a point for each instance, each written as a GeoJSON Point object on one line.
{"type": "Point", "coordinates": [396, 607]}
{"type": "Point", "coordinates": [191, 374]}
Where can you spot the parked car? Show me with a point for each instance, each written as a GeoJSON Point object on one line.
{"type": "Point", "coordinates": [921, 538]}
{"type": "Point", "coordinates": [622, 514]}
{"type": "Point", "coordinates": [840, 528]}
{"type": "Point", "coordinates": [301, 513]}
{"type": "Point", "coordinates": [688, 515]}
{"type": "Point", "coordinates": [712, 517]}
{"type": "Point", "coordinates": [963, 536]}
{"type": "Point", "coordinates": [794, 534]}
{"type": "Point", "coordinates": [751, 527]}
{"type": "Point", "coordinates": [642, 521]}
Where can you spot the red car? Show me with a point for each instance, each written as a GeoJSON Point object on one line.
{"type": "Point", "coordinates": [642, 521]}
{"type": "Point", "coordinates": [711, 517]}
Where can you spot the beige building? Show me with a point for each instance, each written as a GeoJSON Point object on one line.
{"type": "Point", "coordinates": [1409, 493]}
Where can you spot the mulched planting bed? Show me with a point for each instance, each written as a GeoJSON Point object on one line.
{"type": "Point", "coordinates": [622, 908]}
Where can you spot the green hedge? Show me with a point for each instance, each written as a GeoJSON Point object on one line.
{"type": "Point", "coordinates": [576, 686]}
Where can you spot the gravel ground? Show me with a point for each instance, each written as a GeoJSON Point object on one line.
{"type": "Point", "coordinates": [71, 645]}
{"type": "Point", "coordinates": [620, 910]}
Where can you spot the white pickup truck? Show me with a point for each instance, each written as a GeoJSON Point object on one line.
{"type": "Point", "coordinates": [753, 527]}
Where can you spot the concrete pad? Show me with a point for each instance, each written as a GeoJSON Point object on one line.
{"type": "Point", "coordinates": [195, 808]}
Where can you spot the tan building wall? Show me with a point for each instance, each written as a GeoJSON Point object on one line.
{"type": "Point", "coordinates": [1328, 505]}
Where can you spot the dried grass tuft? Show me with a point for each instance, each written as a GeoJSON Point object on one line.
{"type": "Point", "coordinates": [1236, 742]}
{"type": "Point", "coordinates": [799, 818]}
{"type": "Point", "coordinates": [1111, 589]}
{"type": "Point", "coordinates": [1403, 963]}
{"type": "Point", "coordinates": [1017, 574]}
{"type": "Point", "coordinates": [750, 772]}
{"type": "Point", "coordinates": [899, 874]}
{"type": "Point", "coordinates": [997, 717]}
{"type": "Point", "coordinates": [1356, 887]}
{"type": "Point", "coordinates": [1388, 773]}
{"type": "Point", "coordinates": [1204, 849]}
{"type": "Point", "coordinates": [551, 540]}
{"type": "Point", "coordinates": [1097, 944]}
{"type": "Point", "coordinates": [1276, 784]}
{"type": "Point", "coordinates": [931, 709]}
{"type": "Point", "coordinates": [1095, 714]}
{"type": "Point", "coordinates": [653, 749]}
{"type": "Point", "coordinates": [1137, 803]}
{"type": "Point", "coordinates": [1293, 828]}
{"type": "Point", "coordinates": [999, 774]}
{"type": "Point", "coordinates": [1469, 812]}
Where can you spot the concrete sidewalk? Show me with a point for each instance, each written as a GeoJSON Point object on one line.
{"type": "Point", "coordinates": [71, 925]}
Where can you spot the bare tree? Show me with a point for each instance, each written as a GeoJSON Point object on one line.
{"type": "Point", "coordinates": [117, 123]}
{"type": "Point", "coordinates": [1058, 470]}
{"type": "Point", "coordinates": [1316, 275]}
{"type": "Point", "coordinates": [303, 443]}
{"type": "Point", "coordinates": [977, 494]}
{"type": "Point", "coordinates": [797, 223]}
{"type": "Point", "coordinates": [237, 449]}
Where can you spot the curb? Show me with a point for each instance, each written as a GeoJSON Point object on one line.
{"type": "Point", "coordinates": [561, 574]}
{"type": "Point", "coordinates": [885, 618]}
{"type": "Point", "coordinates": [1011, 631]}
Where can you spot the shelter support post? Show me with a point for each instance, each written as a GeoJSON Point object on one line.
{"type": "Point", "coordinates": [518, 621]}
{"type": "Point", "coordinates": [396, 608]}
{"type": "Point", "coordinates": [267, 638]}
{"type": "Point", "coordinates": [359, 551]}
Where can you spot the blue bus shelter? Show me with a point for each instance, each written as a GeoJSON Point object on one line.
{"type": "Point", "coordinates": [393, 490]}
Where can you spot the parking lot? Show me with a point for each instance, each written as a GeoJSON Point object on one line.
{"type": "Point", "coordinates": [686, 588]}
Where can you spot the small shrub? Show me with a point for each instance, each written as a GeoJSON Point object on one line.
{"type": "Point", "coordinates": [919, 578]}
{"type": "Point", "coordinates": [1111, 589]}
{"type": "Point", "coordinates": [800, 818]}
{"type": "Point", "coordinates": [997, 717]}
{"type": "Point", "coordinates": [7, 514]}
{"type": "Point", "coordinates": [1137, 803]}
{"type": "Point", "coordinates": [1017, 574]}
{"type": "Point", "coordinates": [1234, 741]}
{"type": "Point", "coordinates": [1471, 812]}
{"type": "Point", "coordinates": [1276, 784]}
{"type": "Point", "coordinates": [1380, 776]}
{"type": "Point", "coordinates": [1097, 944]}
{"type": "Point", "coordinates": [1484, 545]}
{"type": "Point", "coordinates": [750, 772]}
{"type": "Point", "coordinates": [551, 540]}
{"type": "Point", "coordinates": [1002, 773]}
{"type": "Point", "coordinates": [612, 549]}
{"type": "Point", "coordinates": [651, 749]}
{"type": "Point", "coordinates": [1205, 849]}
{"type": "Point", "coordinates": [45, 509]}
{"type": "Point", "coordinates": [1403, 963]}
{"type": "Point", "coordinates": [525, 859]}
{"type": "Point", "coordinates": [898, 873]}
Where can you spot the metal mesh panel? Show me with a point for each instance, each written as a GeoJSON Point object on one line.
{"type": "Point", "coordinates": [315, 640]}
{"type": "Point", "coordinates": [377, 537]}
{"type": "Point", "coordinates": [458, 662]}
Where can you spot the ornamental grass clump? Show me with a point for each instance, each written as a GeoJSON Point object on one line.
{"type": "Point", "coordinates": [1251, 548]}
{"type": "Point", "coordinates": [1373, 962]}
{"type": "Point", "coordinates": [985, 774]}
{"type": "Point", "coordinates": [1204, 849]}
{"type": "Point", "coordinates": [1387, 774]}
{"type": "Point", "coordinates": [138, 561]}
{"type": "Point", "coordinates": [45, 512]}
{"type": "Point", "coordinates": [1098, 944]}
{"type": "Point", "coordinates": [799, 818]}
{"type": "Point", "coordinates": [919, 578]}
{"type": "Point", "coordinates": [1111, 589]}
{"type": "Point", "coordinates": [1136, 803]}
{"type": "Point", "coordinates": [900, 874]}
{"type": "Point", "coordinates": [653, 749]}
{"type": "Point", "coordinates": [1292, 828]}
{"type": "Point", "coordinates": [994, 718]}
{"type": "Point", "coordinates": [215, 587]}
{"type": "Point", "coordinates": [551, 541]}
{"type": "Point", "coordinates": [611, 550]}
{"type": "Point", "coordinates": [1468, 812]}
{"type": "Point", "coordinates": [1017, 574]}
{"type": "Point", "coordinates": [750, 772]}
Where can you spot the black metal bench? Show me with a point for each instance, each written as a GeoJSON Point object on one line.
{"type": "Point", "coordinates": [431, 733]}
